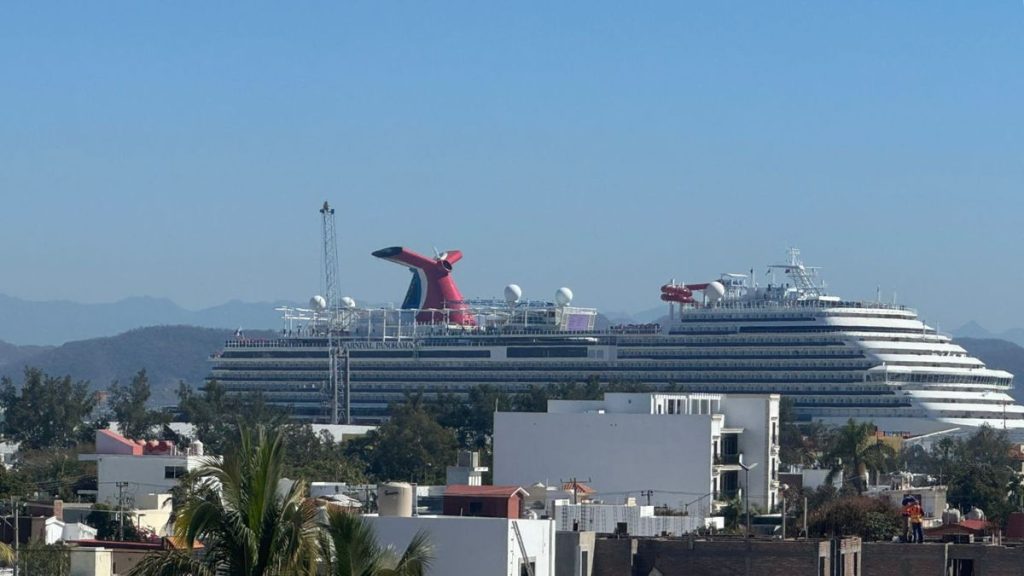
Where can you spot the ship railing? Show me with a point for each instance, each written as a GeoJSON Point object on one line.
{"type": "Point", "coordinates": [803, 304]}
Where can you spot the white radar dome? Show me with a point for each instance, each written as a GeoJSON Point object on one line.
{"type": "Point", "coordinates": [348, 302]}
{"type": "Point", "coordinates": [513, 293]}
{"type": "Point", "coordinates": [714, 292]}
{"type": "Point", "coordinates": [318, 303]}
{"type": "Point", "coordinates": [563, 296]}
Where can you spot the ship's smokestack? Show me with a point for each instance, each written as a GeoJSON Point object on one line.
{"type": "Point", "coordinates": [432, 288]}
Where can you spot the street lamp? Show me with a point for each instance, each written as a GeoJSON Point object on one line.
{"type": "Point", "coordinates": [746, 487]}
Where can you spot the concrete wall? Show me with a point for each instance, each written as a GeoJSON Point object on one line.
{"type": "Point", "coordinates": [144, 475]}
{"type": "Point", "coordinates": [891, 559]}
{"type": "Point", "coordinates": [622, 454]}
{"type": "Point", "coordinates": [466, 546]}
{"type": "Point", "coordinates": [737, 557]}
{"type": "Point", "coordinates": [91, 562]}
{"type": "Point", "coordinates": [575, 553]}
{"type": "Point", "coordinates": [639, 520]}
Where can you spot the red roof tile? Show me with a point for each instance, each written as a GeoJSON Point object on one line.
{"type": "Point", "coordinates": [483, 491]}
{"type": "Point", "coordinates": [974, 524]}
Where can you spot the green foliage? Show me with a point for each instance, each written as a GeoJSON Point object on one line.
{"type": "Point", "coordinates": [128, 408]}
{"type": "Point", "coordinates": [248, 529]}
{"type": "Point", "coordinates": [318, 457]}
{"type": "Point", "coordinates": [854, 452]}
{"type": "Point", "coordinates": [15, 483]}
{"type": "Point", "coordinates": [57, 471]}
{"type": "Point", "coordinates": [472, 418]}
{"type": "Point", "coordinates": [981, 474]}
{"type": "Point", "coordinates": [46, 411]}
{"type": "Point", "coordinates": [868, 518]}
{"type": "Point", "coordinates": [107, 522]}
{"type": "Point", "coordinates": [39, 558]}
{"type": "Point", "coordinates": [410, 446]}
{"type": "Point", "coordinates": [349, 547]}
{"type": "Point", "coordinates": [978, 470]}
{"type": "Point", "coordinates": [218, 416]}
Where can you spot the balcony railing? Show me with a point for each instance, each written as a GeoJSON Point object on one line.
{"type": "Point", "coordinates": [727, 459]}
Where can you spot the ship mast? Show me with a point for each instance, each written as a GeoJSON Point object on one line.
{"type": "Point", "coordinates": [329, 282]}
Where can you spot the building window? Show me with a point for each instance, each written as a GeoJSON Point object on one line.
{"type": "Point", "coordinates": [525, 570]}
{"type": "Point", "coordinates": [174, 472]}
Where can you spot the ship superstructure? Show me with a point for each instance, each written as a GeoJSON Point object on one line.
{"type": "Point", "coordinates": [836, 358]}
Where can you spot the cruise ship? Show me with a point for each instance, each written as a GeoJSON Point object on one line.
{"type": "Point", "coordinates": [835, 358]}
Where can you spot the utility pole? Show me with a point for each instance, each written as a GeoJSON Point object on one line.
{"type": "Point", "coordinates": [574, 483]}
{"type": "Point", "coordinates": [648, 494]}
{"type": "Point", "coordinates": [120, 510]}
{"type": "Point", "coordinates": [746, 488]}
{"type": "Point", "coordinates": [17, 536]}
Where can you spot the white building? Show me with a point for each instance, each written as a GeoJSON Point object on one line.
{"type": "Point", "coordinates": [473, 546]}
{"type": "Point", "coordinates": [127, 470]}
{"type": "Point", "coordinates": [685, 449]}
{"type": "Point", "coordinates": [56, 530]}
{"type": "Point", "coordinates": [636, 520]}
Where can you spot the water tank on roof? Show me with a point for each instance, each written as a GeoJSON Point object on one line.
{"type": "Point", "coordinates": [951, 516]}
{"type": "Point", "coordinates": [395, 499]}
{"type": "Point", "coordinates": [197, 447]}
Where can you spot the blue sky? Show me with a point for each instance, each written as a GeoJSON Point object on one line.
{"type": "Point", "coordinates": [182, 149]}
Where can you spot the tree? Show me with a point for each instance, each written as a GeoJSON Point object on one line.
{"type": "Point", "coordinates": [218, 415]}
{"type": "Point", "coordinates": [40, 558]}
{"type": "Point", "coordinates": [318, 456]}
{"type": "Point", "coordinates": [108, 523]}
{"type": "Point", "coordinates": [350, 548]}
{"type": "Point", "coordinates": [869, 518]}
{"type": "Point", "coordinates": [58, 471]}
{"type": "Point", "coordinates": [410, 446]}
{"type": "Point", "coordinates": [980, 474]}
{"type": "Point", "coordinates": [855, 452]}
{"type": "Point", "coordinates": [128, 407]}
{"type": "Point", "coordinates": [47, 411]}
{"type": "Point", "coordinates": [472, 418]}
{"type": "Point", "coordinates": [247, 528]}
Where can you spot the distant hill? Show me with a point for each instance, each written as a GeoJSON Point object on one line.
{"type": "Point", "coordinates": [168, 353]}
{"type": "Point", "coordinates": [56, 322]}
{"type": "Point", "coordinates": [976, 331]}
{"type": "Point", "coordinates": [1001, 355]}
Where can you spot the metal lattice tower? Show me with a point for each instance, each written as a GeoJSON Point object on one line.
{"type": "Point", "coordinates": [330, 262]}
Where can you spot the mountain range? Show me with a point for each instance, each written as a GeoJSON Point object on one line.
{"type": "Point", "coordinates": [169, 354]}
{"type": "Point", "coordinates": [53, 322]}
{"type": "Point", "coordinates": [977, 331]}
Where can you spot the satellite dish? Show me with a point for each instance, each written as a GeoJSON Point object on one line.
{"type": "Point", "coordinates": [714, 292]}
{"type": "Point", "coordinates": [318, 303]}
{"type": "Point", "coordinates": [513, 293]}
{"type": "Point", "coordinates": [563, 296]}
{"type": "Point", "coordinates": [348, 302]}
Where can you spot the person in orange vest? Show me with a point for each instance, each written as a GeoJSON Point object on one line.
{"type": "Point", "coordinates": [914, 511]}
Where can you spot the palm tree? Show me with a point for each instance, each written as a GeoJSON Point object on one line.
{"type": "Point", "coordinates": [350, 548]}
{"type": "Point", "coordinates": [6, 553]}
{"type": "Point", "coordinates": [855, 451]}
{"type": "Point", "coordinates": [246, 528]}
